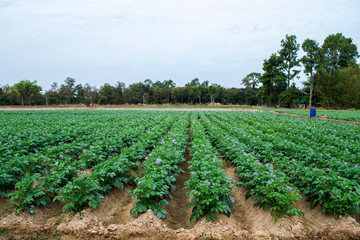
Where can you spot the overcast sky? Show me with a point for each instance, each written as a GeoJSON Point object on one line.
{"type": "Point", "coordinates": [105, 41]}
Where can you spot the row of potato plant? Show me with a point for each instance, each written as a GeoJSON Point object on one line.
{"type": "Point", "coordinates": [208, 185]}
{"type": "Point", "coordinates": [87, 132]}
{"type": "Point", "coordinates": [336, 194]}
{"type": "Point", "coordinates": [313, 156]}
{"type": "Point", "coordinates": [27, 132]}
{"type": "Point", "coordinates": [71, 181]}
{"type": "Point", "coordinates": [76, 127]}
{"type": "Point", "coordinates": [101, 144]}
{"type": "Point", "coordinates": [340, 143]}
{"type": "Point", "coordinates": [88, 189]}
{"type": "Point", "coordinates": [161, 167]}
{"type": "Point", "coordinates": [269, 187]}
{"type": "Point", "coordinates": [90, 150]}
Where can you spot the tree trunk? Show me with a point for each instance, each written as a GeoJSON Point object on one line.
{"type": "Point", "coordinates": [288, 76]}
{"type": "Point", "coordinates": [311, 88]}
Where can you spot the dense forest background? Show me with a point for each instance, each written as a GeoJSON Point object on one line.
{"type": "Point", "coordinates": [333, 81]}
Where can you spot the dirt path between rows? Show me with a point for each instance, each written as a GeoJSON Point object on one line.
{"type": "Point", "coordinates": [116, 108]}
{"type": "Point", "coordinates": [178, 215]}
{"type": "Point", "coordinates": [113, 221]}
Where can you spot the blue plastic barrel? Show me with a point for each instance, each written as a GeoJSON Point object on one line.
{"type": "Point", "coordinates": [313, 112]}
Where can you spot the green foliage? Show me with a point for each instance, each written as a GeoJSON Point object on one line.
{"type": "Point", "coordinates": [312, 58]}
{"type": "Point", "coordinates": [80, 192]}
{"type": "Point", "coordinates": [339, 88]}
{"type": "Point", "coordinates": [322, 162]}
{"type": "Point", "coordinates": [251, 80]}
{"type": "Point", "coordinates": [288, 54]}
{"type": "Point", "coordinates": [10, 173]}
{"type": "Point", "coordinates": [161, 168]}
{"type": "Point", "coordinates": [3, 99]}
{"type": "Point", "coordinates": [115, 172]}
{"type": "Point", "coordinates": [29, 193]}
{"type": "Point", "coordinates": [339, 51]}
{"type": "Point", "coordinates": [290, 97]}
{"type": "Point", "coordinates": [209, 186]}
{"type": "Point", "coordinates": [311, 62]}
{"type": "Point", "coordinates": [87, 145]}
{"type": "Point", "coordinates": [273, 80]}
{"type": "Point", "coordinates": [268, 187]}
{"type": "Point", "coordinates": [26, 91]}
{"type": "Point", "coordinates": [103, 100]}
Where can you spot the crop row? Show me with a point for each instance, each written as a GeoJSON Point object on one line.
{"type": "Point", "coordinates": [269, 187]}
{"type": "Point", "coordinates": [83, 154]}
{"type": "Point", "coordinates": [114, 172]}
{"type": "Point", "coordinates": [160, 170]}
{"type": "Point", "coordinates": [336, 194]}
{"type": "Point", "coordinates": [209, 186]}
{"type": "Point", "coordinates": [332, 114]}
{"type": "Point", "coordinates": [337, 139]}
{"type": "Point", "coordinates": [71, 180]}
{"type": "Point", "coordinates": [312, 155]}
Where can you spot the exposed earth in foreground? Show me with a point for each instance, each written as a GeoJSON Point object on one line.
{"type": "Point", "coordinates": [113, 221]}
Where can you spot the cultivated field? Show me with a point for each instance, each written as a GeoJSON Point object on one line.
{"type": "Point", "coordinates": [177, 175]}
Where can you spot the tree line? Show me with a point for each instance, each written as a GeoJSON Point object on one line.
{"type": "Point", "coordinates": [333, 80]}
{"type": "Point", "coordinates": [27, 92]}
{"type": "Point", "coordinates": [332, 71]}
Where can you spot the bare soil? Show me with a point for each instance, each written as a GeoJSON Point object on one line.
{"type": "Point", "coordinates": [124, 107]}
{"type": "Point", "coordinates": [113, 221]}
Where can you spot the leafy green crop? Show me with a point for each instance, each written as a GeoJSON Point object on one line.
{"type": "Point", "coordinates": [161, 168]}
{"type": "Point", "coordinates": [77, 157]}
{"type": "Point", "coordinates": [209, 186]}
{"type": "Point", "coordinates": [268, 187]}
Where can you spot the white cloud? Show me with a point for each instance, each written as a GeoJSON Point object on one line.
{"type": "Point", "coordinates": [107, 41]}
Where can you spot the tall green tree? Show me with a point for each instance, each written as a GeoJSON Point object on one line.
{"type": "Point", "coordinates": [288, 54]}
{"type": "Point", "coordinates": [290, 97]}
{"type": "Point", "coordinates": [26, 91]}
{"type": "Point", "coordinates": [168, 84]}
{"type": "Point", "coordinates": [3, 99]}
{"type": "Point", "coordinates": [195, 82]}
{"type": "Point", "coordinates": [148, 88]}
{"type": "Point", "coordinates": [79, 94]}
{"type": "Point", "coordinates": [134, 94]}
{"type": "Point", "coordinates": [339, 51]}
{"type": "Point", "coordinates": [194, 90]}
{"type": "Point", "coordinates": [273, 79]}
{"type": "Point", "coordinates": [66, 91]}
{"type": "Point", "coordinates": [119, 93]}
{"type": "Point", "coordinates": [311, 62]}
{"type": "Point", "coordinates": [252, 80]}
{"type": "Point", "coordinates": [341, 91]}
{"type": "Point", "coordinates": [52, 95]}
{"type": "Point", "coordinates": [107, 92]}
{"type": "Point", "coordinates": [9, 94]}
{"type": "Point", "coordinates": [91, 94]}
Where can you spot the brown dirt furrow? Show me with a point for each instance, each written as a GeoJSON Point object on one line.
{"type": "Point", "coordinates": [178, 216]}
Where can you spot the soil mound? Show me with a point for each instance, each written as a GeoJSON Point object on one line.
{"type": "Point", "coordinates": [113, 221]}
